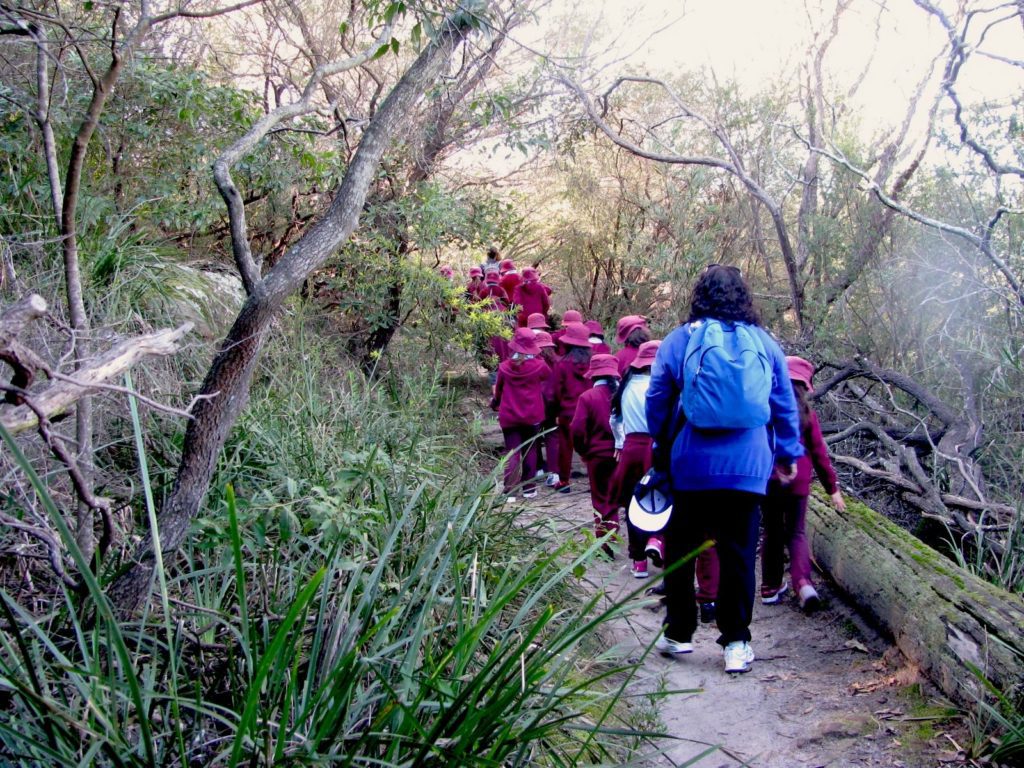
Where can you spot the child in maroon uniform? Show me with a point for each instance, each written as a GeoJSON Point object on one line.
{"type": "Point", "coordinates": [519, 400]}
{"type": "Point", "coordinates": [597, 339]}
{"type": "Point", "coordinates": [593, 440]}
{"type": "Point", "coordinates": [510, 277]}
{"type": "Point", "coordinates": [475, 285]}
{"type": "Point", "coordinates": [784, 509]}
{"type": "Point", "coordinates": [568, 383]}
{"type": "Point", "coordinates": [630, 332]}
{"type": "Point", "coordinates": [550, 424]}
{"type": "Point", "coordinates": [537, 322]}
{"type": "Point", "coordinates": [570, 316]}
{"type": "Point", "coordinates": [493, 291]}
{"type": "Point", "coordinates": [633, 451]}
{"type": "Point", "coordinates": [531, 296]}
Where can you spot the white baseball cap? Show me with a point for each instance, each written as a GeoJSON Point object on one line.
{"type": "Point", "coordinates": [651, 505]}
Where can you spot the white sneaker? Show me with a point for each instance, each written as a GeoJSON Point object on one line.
{"type": "Point", "coordinates": [809, 600]}
{"type": "Point", "coordinates": [539, 473]}
{"type": "Point", "coordinates": [738, 657]}
{"type": "Point", "coordinates": [532, 494]}
{"type": "Point", "coordinates": [672, 647]}
{"type": "Point", "coordinates": [510, 500]}
{"type": "Point", "coordinates": [552, 480]}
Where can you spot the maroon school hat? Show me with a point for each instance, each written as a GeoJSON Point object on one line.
{"type": "Point", "coordinates": [576, 335]}
{"type": "Point", "coordinates": [603, 365]}
{"type": "Point", "coordinates": [530, 274]}
{"type": "Point", "coordinates": [646, 353]}
{"type": "Point", "coordinates": [492, 278]}
{"type": "Point", "coordinates": [571, 316]}
{"type": "Point", "coordinates": [524, 342]}
{"type": "Point", "coordinates": [543, 339]}
{"type": "Point", "coordinates": [627, 325]}
{"type": "Point", "coordinates": [537, 320]}
{"type": "Point", "coordinates": [595, 328]}
{"type": "Point", "coordinates": [800, 370]}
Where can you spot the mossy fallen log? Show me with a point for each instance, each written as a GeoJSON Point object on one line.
{"type": "Point", "coordinates": [944, 619]}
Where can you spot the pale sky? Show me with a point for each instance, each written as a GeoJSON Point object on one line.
{"type": "Point", "coordinates": [753, 41]}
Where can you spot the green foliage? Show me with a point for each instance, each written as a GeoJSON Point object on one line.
{"type": "Point", "coordinates": [997, 723]}
{"type": "Point", "coordinates": [359, 601]}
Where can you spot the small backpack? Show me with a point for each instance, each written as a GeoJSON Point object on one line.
{"type": "Point", "coordinates": [727, 377]}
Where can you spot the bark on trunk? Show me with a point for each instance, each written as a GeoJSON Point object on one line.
{"type": "Point", "coordinates": [229, 376]}
{"type": "Point", "coordinates": [944, 619]}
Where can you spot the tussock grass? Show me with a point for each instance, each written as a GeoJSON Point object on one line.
{"type": "Point", "coordinates": [351, 596]}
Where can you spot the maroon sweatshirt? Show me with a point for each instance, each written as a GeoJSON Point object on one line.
{"type": "Point", "coordinates": [815, 459]}
{"type": "Point", "coordinates": [497, 295]}
{"type": "Point", "coordinates": [626, 356]}
{"type": "Point", "coordinates": [591, 433]}
{"type": "Point", "coordinates": [568, 383]}
{"type": "Point", "coordinates": [509, 282]}
{"type": "Point", "coordinates": [519, 392]}
{"type": "Point", "coordinates": [532, 296]}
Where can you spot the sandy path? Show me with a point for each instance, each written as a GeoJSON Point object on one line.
{"type": "Point", "coordinates": [825, 690]}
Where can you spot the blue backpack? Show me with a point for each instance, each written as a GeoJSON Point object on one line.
{"type": "Point", "coordinates": [727, 377]}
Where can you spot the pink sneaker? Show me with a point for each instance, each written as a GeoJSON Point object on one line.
{"type": "Point", "coordinates": [640, 569]}
{"type": "Point", "coordinates": [655, 550]}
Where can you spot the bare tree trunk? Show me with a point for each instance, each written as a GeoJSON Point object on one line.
{"type": "Point", "coordinates": [42, 117]}
{"type": "Point", "coordinates": [229, 377]}
{"type": "Point", "coordinates": [77, 315]}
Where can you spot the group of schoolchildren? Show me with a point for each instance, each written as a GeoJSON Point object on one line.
{"type": "Point", "coordinates": [562, 392]}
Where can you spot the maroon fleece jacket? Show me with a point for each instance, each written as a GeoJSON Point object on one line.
{"type": "Point", "coordinates": [509, 282]}
{"type": "Point", "coordinates": [569, 382]}
{"type": "Point", "coordinates": [519, 392]}
{"type": "Point", "coordinates": [532, 297]}
{"type": "Point", "coordinates": [815, 459]}
{"type": "Point", "coordinates": [497, 295]}
{"type": "Point", "coordinates": [626, 356]}
{"type": "Point", "coordinates": [591, 433]}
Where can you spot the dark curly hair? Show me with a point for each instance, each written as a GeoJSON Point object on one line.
{"type": "Point", "coordinates": [722, 293]}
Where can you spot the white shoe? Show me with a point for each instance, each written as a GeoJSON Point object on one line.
{"type": "Point", "coordinates": [552, 480]}
{"type": "Point", "coordinates": [530, 494]}
{"type": "Point", "coordinates": [738, 657]}
{"type": "Point", "coordinates": [672, 647]}
{"type": "Point", "coordinates": [539, 473]}
{"type": "Point", "coordinates": [510, 500]}
{"type": "Point", "coordinates": [809, 600]}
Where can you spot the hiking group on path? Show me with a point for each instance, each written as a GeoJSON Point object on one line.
{"type": "Point", "coordinates": [714, 419]}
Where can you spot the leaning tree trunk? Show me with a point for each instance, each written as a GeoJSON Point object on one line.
{"type": "Point", "coordinates": [227, 382]}
{"type": "Point", "coordinates": [944, 619]}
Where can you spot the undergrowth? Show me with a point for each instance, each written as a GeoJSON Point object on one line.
{"type": "Point", "coordinates": [350, 595]}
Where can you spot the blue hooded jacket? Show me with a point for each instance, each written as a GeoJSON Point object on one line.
{"type": "Point", "coordinates": [720, 459]}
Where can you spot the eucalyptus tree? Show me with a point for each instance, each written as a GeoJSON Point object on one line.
{"type": "Point", "coordinates": [225, 389]}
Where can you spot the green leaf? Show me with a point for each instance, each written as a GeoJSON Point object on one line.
{"type": "Point", "coordinates": [343, 28]}
{"type": "Point", "coordinates": [381, 51]}
{"type": "Point", "coordinates": [415, 35]}
{"type": "Point", "coordinates": [394, 44]}
{"type": "Point", "coordinates": [391, 10]}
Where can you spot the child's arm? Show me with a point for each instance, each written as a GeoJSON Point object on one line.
{"type": "Point", "coordinates": [818, 452]}
{"type": "Point", "coordinates": [579, 429]}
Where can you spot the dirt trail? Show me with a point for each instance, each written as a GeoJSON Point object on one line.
{"type": "Point", "coordinates": [825, 689]}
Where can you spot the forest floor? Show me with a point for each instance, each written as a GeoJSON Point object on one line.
{"type": "Point", "coordinates": [826, 689]}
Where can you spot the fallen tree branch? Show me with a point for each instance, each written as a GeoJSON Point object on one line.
{"type": "Point", "coordinates": [60, 396]}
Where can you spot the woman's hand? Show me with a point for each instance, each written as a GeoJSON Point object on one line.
{"type": "Point", "coordinates": [785, 474]}
{"type": "Point", "coordinates": [618, 454]}
{"type": "Point", "coordinates": [838, 502]}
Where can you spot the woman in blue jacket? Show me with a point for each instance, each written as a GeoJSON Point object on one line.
{"type": "Point", "coordinates": [719, 471]}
